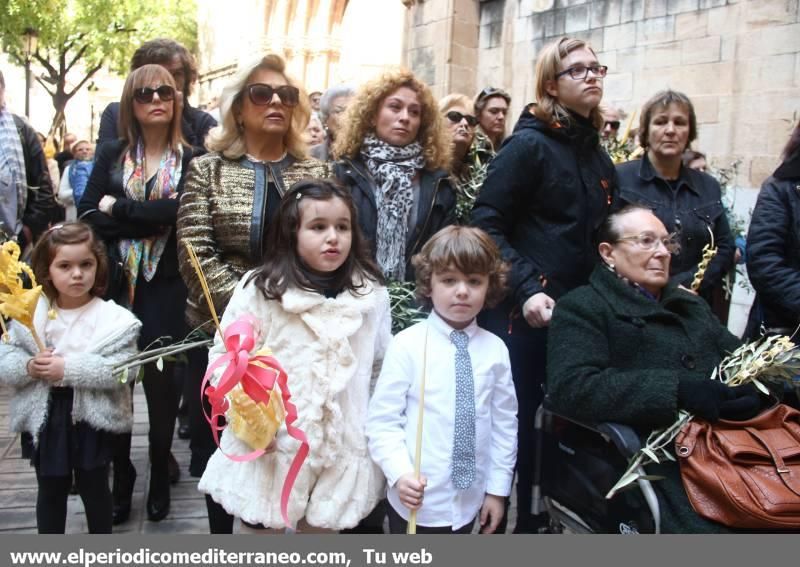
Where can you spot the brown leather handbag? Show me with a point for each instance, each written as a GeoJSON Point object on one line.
{"type": "Point", "coordinates": [744, 474]}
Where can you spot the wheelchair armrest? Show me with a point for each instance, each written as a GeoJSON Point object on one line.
{"type": "Point", "coordinates": [623, 436]}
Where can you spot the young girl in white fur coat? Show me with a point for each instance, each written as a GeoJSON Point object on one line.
{"type": "Point", "coordinates": [321, 309]}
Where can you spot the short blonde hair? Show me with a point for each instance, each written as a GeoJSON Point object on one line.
{"type": "Point", "coordinates": [362, 113]}
{"type": "Point", "coordinates": [454, 99]}
{"type": "Point", "coordinates": [548, 109]}
{"type": "Point", "coordinates": [227, 138]}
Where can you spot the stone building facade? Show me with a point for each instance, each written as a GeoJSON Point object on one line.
{"type": "Point", "coordinates": [324, 42]}
{"type": "Point", "coordinates": [738, 60]}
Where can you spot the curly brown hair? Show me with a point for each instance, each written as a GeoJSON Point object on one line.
{"type": "Point", "coordinates": [59, 235]}
{"type": "Point", "coordinates": [469, 250]}
{"type": "Point", "coordinates": [362, 114]}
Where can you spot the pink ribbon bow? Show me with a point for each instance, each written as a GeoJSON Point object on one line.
{"type": "Point", "coordinates": [257, 381]}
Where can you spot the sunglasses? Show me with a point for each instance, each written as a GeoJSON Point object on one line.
{"type": "Point", "coordinates": [455, 117]}
{"type": "Point", "coordinates": [144, 95]}
{"type": "Point", "coordinates": [261, 94]}
{"type": "Point", "coordinates": [492, 91]}
{"type": "Point", "coordinates": [613, 123]}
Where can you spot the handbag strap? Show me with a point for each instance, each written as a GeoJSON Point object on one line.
{"type": "Point", "coordinates": [784, 472]}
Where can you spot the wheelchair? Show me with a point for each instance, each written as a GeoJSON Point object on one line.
{"type": "Point", "coordinates": [578, 464]}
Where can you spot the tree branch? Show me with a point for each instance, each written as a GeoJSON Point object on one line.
{"type": "Point", "coordinates": [44, 85]}
{"type": "Point", "coordinates": [45, 63]}
{"type": "Point", "coordinates": [88, 76]}
{"type": "Point", "coordinates": [78, 57]}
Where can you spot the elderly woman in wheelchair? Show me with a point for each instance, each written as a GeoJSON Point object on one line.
{"type": "Point", "coordinates": [634, 348]}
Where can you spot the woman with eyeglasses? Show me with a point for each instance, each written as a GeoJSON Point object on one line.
{"type": "Point", "coordinates": [131, 201]}
{"type": "Point", "coordinates": [547, 190]}
{"type": "Point", "coordinates": [633, 347]}
{"type": "Point", "coordinates": [394, 157]}
{"type": "Point", "coordinates": [232, 195]}
{"type": "Point", "coordinates": [470, 157]}
{"type": "Point", "coordinates": [688, 202]}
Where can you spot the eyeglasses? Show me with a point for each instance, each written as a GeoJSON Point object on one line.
{"type": "Point", "coordinates": [579, 72]}
{"type": "Point", "coordinates": [455, 117]}
{"type": "Point", "coordinates": [613, 123]}
{"type": "Point", "coordinates": [649, 241]}
{"type": "Point", "coordinates": [144, 95]}
{"type": "Point", "coordinates": [261, 94]}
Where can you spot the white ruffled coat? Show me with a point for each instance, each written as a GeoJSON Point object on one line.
{"type": "Point", "coordinates": [331, 350]}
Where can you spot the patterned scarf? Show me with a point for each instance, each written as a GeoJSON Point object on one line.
{"type": "Point", "coordinates": [145, 253]}
{"type": "Point", "coordinates": [393, 168]}
{"type": "Point", "coordinates": [13, 179]}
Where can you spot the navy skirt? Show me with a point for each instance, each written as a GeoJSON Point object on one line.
{"type": "Point", "coordinates": [65, 446]}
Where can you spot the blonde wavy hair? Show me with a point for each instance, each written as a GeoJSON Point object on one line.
{"type": "Point", "coordinates": [228, 139]}
{"type": "Point", "coordinates": [548, 109]}
{"type": "Point", "coordinates": [362, 114]}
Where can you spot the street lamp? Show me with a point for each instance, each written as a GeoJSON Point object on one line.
{"type": "Point", "coordinates": [30, 38]}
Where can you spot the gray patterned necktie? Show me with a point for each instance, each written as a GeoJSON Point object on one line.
{"type": "Point", "coordinates": [463, 473]}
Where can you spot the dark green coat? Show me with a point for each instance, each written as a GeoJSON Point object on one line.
{"type": "Point", "coordinates": [616, 355]}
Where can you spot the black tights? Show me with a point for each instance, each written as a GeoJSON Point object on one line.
{"type": "Point", "coordinates": [161, 393]}
{"type": "Point", "coordinates": [51, 501]}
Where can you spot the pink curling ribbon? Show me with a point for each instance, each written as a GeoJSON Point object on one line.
{"type": "Point", "coordinates": [257, 381]}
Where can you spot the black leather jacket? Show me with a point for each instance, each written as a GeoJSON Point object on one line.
{"type": "Point", "coordinates": [546, 192]}
{"type": "Point", "coordinates": [688, 211]}
{"type": "Point", "coordinates": [773, 248]}
{"type": "Point", "coordinates": [435, 210]}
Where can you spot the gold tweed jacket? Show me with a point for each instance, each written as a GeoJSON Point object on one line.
{"type": "Point", "coordinates": [221, 215]}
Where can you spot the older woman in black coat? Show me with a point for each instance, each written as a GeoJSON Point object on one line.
{"type": "Point", "coordinates": [633, 347]}
{"type": "Point", "coordinates": [687, 201]}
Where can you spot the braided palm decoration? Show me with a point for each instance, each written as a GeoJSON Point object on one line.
{"type": "Point", "coordinates": [709, 251]}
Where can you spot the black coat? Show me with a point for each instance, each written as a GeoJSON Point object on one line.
{"type": "Point", "coordinates": [436, 207]}
{"type": "Point", "coordinates": [160, 302]}
{"type": "Point", "coordinates": [615, 355]}
{"type": "Point", "coordinates": [689, 212]}
{"type": "Point", "coordinates": [41, 207]}
{"type": "Point", "coordinates": [195, 124]}
{"type": "Point", "coordinates": [546, 192]}
{"type": "Point", "coordinates": [773, 248]}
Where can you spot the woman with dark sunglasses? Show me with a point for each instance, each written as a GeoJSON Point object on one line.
{"type": "Point", "coordinates": [232, 194]}
{"type": "Point", "coordinates": [472, 151]}
{"type": "Point", "coordinates": [394, 156]}
{"type": "Point", "coordinates": [131, 200]}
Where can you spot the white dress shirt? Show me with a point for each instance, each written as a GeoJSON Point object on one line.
{"type": "Point", "coordinates": [394, 410]}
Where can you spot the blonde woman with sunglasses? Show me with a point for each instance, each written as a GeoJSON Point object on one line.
{"type": "Point", "coordinates": [232, 195]}
{"type": "Point", "coordinates": [131, 201]}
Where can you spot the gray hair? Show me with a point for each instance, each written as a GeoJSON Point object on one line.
{"type": "Point", "coordinates": [330, 95]}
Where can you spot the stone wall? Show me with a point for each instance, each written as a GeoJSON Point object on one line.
{"type": "Point", "coordinates": [739, 60]}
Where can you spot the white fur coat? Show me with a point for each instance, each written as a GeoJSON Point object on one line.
{"type": "Point", "coordinates": [331, 350]}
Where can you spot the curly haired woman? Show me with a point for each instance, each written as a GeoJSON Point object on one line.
{"type": "Point", "coordinates": [395, 155]}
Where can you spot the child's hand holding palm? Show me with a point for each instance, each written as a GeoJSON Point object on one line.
{"type": "Point", "coordinates": [47, 366]}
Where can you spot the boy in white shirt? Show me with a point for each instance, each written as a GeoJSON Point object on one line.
{"type": "Point", "coordinates": [469, 431]}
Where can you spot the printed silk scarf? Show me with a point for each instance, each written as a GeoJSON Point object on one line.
{"type": "Point", "coordinates": [393, 168]}
{"type": "Point", "coordinates": [144, 253]}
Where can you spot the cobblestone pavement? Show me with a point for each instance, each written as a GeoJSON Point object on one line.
{"type": "Point", "coordinates": [18, 486]}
